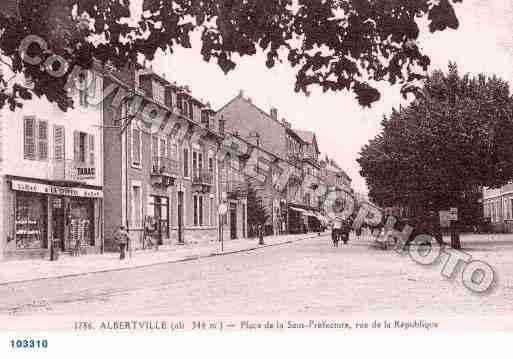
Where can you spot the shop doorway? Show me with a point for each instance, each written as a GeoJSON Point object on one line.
{"type": "Point", "coordinates": [159, 210]}
{"type": "Point", "coordinates": [233, 221]}
{"type": "Point", "coordinates": [180, 217]}
{"type": "Point", "coordinates": [58, 222]}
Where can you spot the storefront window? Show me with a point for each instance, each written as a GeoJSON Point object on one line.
{"type": "Point", "coordinates": [81, 222]}
{"type": "Point", "coordinates": [31, 221]}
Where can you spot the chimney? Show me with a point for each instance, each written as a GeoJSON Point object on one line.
{"type": "Point", "coordinates": [274, 113]}
{"type": "Point", "coordinates": [241, 93]}
{"type": "Point", "coordinates": [250, 100]}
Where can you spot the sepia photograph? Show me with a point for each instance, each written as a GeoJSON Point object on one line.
{"type": "Point", "coordinates": [218, 167]}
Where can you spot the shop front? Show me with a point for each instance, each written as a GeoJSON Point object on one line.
{"type": "Point", "coordinates": [42, 213]}
{"type": "Point", "coordinates": [304, 219]}
{"type": "Point", "coordinates": [157, 219]}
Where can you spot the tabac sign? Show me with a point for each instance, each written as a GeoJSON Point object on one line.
{"type": "Point", "coordinates": [55, 190]}
{"type": "Point", "coordinates": [85, 172]}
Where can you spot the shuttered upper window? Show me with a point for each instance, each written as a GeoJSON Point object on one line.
{"type": "Point", "coordinates": [163, 148]}
{"type": "Point", "coordinates": [91, 150]}
{"type": "Point", "coordinates": [136, 146]}
{"type": "Point", "coordinates": [59, 142]}
{"type": "Point", "coordinates": [42, 140]}
{"type": "Point", "coordinates": [83, 147]}
{"type": "Point", "coordinates": [35, 139]}
{"type": "Point", "coordinates": [29, 138]}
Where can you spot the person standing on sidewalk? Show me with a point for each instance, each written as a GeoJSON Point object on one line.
{"type": "Point", "coordinates": [335, 231]}
{"type": "Point", "coordinates": [121, 237]}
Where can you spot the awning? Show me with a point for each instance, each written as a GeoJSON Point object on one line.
{"type": "Point", "coordinates": [300, 210]}
{"type": "Point", "coordinates": [311, 214]}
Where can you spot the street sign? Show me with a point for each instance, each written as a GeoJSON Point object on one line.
{"type": "Point", "coordinates": [223, 208]}
{"type": "Point", "coordinates": [453, 214]}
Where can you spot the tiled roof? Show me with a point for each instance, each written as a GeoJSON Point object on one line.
{"type": "Point", "coordinates": [306, 136]}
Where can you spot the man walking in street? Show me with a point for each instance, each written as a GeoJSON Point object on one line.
{"type": "Point", "coordinates": [335, 231]}
{"type": "Point", "coordinates": [121, 237]}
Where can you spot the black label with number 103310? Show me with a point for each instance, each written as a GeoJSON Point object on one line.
{"type": "Point", "coordinates": [29, 343]}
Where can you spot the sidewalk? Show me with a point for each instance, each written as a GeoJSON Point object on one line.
{"type": "Point", "coordinates": [67, 266]}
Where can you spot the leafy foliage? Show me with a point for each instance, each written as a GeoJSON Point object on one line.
{"type": "Point", "coordinates": [336, 44]}
{"type": "Point", "coordinates": [256, 213]}
{"type": "Point", "coordinates": [457, 136]}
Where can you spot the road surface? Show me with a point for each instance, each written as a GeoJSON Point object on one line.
{"type": "Point", "coordinates": [304, 279]}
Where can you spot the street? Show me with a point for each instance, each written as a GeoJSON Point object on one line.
{"type": "Point", "coordinates": [304, 279]}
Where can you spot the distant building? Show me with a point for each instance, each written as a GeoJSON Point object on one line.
{"type": "Point", "coordinates": [497, 207]}
{"type": "Point", "coordinates": [290, 208]}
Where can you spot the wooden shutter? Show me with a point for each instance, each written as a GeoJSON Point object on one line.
{"type": "Point", "coordinates": [200, 210]}
{"type": "Point", "coordinates": [154, 147]}
{"type": "Point", "coordinates": [59, 142]}
{"type": "Point", "coordinates": [29, 138]}
{"type": "Point", "coordinates": [42, 139]}
{"type": "Point", "coordinates": [76, 146]}
{"type": "Point", "coordinates": [162, 148]}
{"type": "Point", "coordinates": [91, 150]}
{"type": "Point", "coordinates": [185, 162]}
{"type": "Point", "coordinates": [136, 146]}
{"type": "Point", "coordinates": [169, 148]}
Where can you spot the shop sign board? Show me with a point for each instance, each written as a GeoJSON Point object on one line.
{"type": "Point", "coordinates": [55, 190]}
{"type": "Point", "coordinates": [85, 172]}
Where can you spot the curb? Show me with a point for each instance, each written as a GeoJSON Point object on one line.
{"type": "Point", "coordinates": [181, 260]}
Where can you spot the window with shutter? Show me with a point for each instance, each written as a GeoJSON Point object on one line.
{"type": "Point", "coordinates": [211, 166]}
{"type": "Point", "coordinates": [169, 148]}
{"type": "Point", "coordinates": [91, 150]}
{"type": "Point", "coordinates": [29, 138]}
{"type": "Point", "coordinates": [83, 144]}
{"type": "Point", "coordinates": [59, 144]}
{"type": "Point", "coordinates": [194, 163]}
{"type": "Point", "coordinates": [82, 92]}
{"type": "Point", "coordinates": [154, 147]}
{"type": "Point", "coordinates": [195, 200]}
{"type": "Point", "coordinates": [185, 108]}
{"type": "Point", "coordinates": [185, 162]}
{"type": "Point", "coordinates": [162, 148]}
{"type": "Point", "coordinates": [136, 146]}
{"type": "Point", "coordinates": [191, 111]}
{"type": "Point", "coordinates": [200, 209]}
{"type": "Point", "coordinates": [76, 146]}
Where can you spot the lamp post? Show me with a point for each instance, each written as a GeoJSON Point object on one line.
{"type": "Point", "coordinates": [127, 116]}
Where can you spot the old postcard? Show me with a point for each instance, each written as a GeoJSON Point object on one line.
{"type": "Point", "coordinates": [278, 166]}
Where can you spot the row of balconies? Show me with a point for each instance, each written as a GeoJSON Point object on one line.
{"type": "Point", "coordinates": [167, 170]}
{"type": "Point", "coordinates": [76, 171]}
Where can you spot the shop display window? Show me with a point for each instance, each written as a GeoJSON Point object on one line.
{"type": "Point", "coordinates": [31, 221]}
{"type": "Point", "coordinates": [81, 223]}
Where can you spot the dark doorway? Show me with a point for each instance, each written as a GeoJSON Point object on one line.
{"type": "Point", "coordinates": [58, 222]}
{"type": "Point", "coordinates": [233, 221]}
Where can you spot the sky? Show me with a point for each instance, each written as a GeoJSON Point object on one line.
{"type": "Point", "coordinates": [483, 43]}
